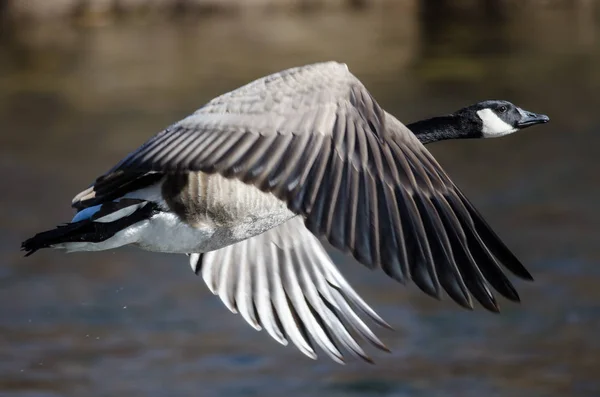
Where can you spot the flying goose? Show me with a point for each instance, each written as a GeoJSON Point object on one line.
{"type": "Point", "coordinates": [248, 183]}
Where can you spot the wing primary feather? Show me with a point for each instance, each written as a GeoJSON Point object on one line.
{"type": "Point", "coordinates": [276, 157]}
{"type": "Point", "coordinates": [263, 302]}
{"type": "Point", "coordinates": [335, 192]}
{"type": "Point", "coordinates": [357, 323]}
{"type": "Point", "coordinates": [227, 282]}
{"type": "Point", "coordinates": [280, 176]}
{"type": "Point", "coordinates": [476, 252]}
{"type": "Point", "coordinates": [361, 249]}
{"type": "Point", "coordinates": [320, 316]}
{"type": "Point", "coordinates": [423, 265]}
{"type": "Point", "coordinates": [317, 150]}
{"type": "Point", "coordinates": [362, 242]}
{"type": "Point", "coordinates": [243, 297]}
{"type": "Point", "coordinates": [375, 234]}
{"type": "Point", "coordinates": [472, 276]}
{"type": "Point", "coordinates": [302, 328]}
{"type": "Point", "coordinates": [420, 259]}
{"type": "Point", "coordinates": [317, 198]}
{"type": "Point", "coordinates": [332, 310]}
{"type": "Point", "coordinates": [338, 228]}
{"type": "Point", "coordinates": [491, 270]}
{"type": "Point", "coordinates": [495, 244]}
{"type": "Point", "coordinates": [307, 196]}
{"type": "Point", "coordinates": [475, 242]}
{"type": "Point", "coordinates": [448, 272]}
{"type": "Point", "coordinates": [304, 163]}
{"type": "Point", "coordinates": [333, 197]}
{"type": "Point", "coordinates": [337, 281]}
{"type": "Point", "coordinates": [255, 164]}
{"type": "Point", "coordinates": [383, 236]}
{"type": "Point", "coordinates": [279, 300]}
{"type": "Point", "coordinates": [315, 305]}
{"type": "Point", "coordinates": [389, 180]}
{"type": "Point", "coordinates": [342, 334]}
{"type": "Point", "coordinates": [353, 192]}
{"type": "Point", "coordinates": [378, 206]}
{"type": "Point", "coordinates": [278, 322]}
{"type": "Point", "coordinates": [298, 301]}
{"type": "Point", "coordinates": [393, 255]}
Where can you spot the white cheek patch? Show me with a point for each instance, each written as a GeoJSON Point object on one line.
{"type": "Point", "coordinates": [494, 126]}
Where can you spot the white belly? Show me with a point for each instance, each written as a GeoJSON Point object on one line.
{"type": "Point", "coordinates": [224, 211]}
{"type": "Point", "coordinates": [165, 232]}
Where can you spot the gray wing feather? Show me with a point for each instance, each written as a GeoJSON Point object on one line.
{"type": "Point", "coordinates": [284, 281]}
{"type": "Point", "coordinates": [317, 139]}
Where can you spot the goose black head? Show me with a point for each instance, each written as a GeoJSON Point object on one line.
{"type": "Point", "coordinates": [497, 118]}
{"type": "Point", "coordinates": [486, 119]}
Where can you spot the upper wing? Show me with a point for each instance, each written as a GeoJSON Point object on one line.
{"type": "Point", "coordinates": [284, 281]}
{"type": "Point", "coordinates": [317, 139]}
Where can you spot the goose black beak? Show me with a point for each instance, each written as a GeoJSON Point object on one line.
{"type": "Point", "coordinates": [529, 118]}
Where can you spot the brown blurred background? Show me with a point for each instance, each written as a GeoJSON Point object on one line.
{"type": "Point", "coordinates": [84, 82]}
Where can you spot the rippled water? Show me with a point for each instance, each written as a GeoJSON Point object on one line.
{"type": "Point", "coordinates": [74, 100]}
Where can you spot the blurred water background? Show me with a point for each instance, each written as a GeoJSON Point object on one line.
{"type": "Point", "coordinates": [78, 93]}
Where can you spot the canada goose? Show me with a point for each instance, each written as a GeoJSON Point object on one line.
{"type": "Point", "coordinates": [246, 183]}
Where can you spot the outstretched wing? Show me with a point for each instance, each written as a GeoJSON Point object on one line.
{"type": "Point", "coordinates": [284, 281]}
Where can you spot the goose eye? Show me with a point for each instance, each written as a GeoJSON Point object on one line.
{"type": "Point", "coordinates": [502, 109]}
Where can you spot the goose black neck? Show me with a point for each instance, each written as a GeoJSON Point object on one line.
{"type": "Point", "coordinates": [442, 128]}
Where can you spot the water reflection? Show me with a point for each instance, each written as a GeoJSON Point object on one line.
{"type": "Point", "coordinates": [73, 101]}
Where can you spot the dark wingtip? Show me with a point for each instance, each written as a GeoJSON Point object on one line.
{"type": "Point", "coordinates": [368, 360]}
{"type": "Point", "coordinates": [525, 275]}
{"type": "Point", "coordinates": [510, 261]}
{"type": "Point", "coordinates": [495, 244]}
{"type": "Point", "coordinates": [492, 307]}
{"type": "Point", "coordinates": [382, 323]}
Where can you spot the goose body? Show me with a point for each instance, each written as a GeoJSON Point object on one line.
{"type": "Point", "coordinates": [248, 183]}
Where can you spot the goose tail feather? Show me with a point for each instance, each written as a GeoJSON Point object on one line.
{"type": "Point", "coordinates": [92, 225]}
